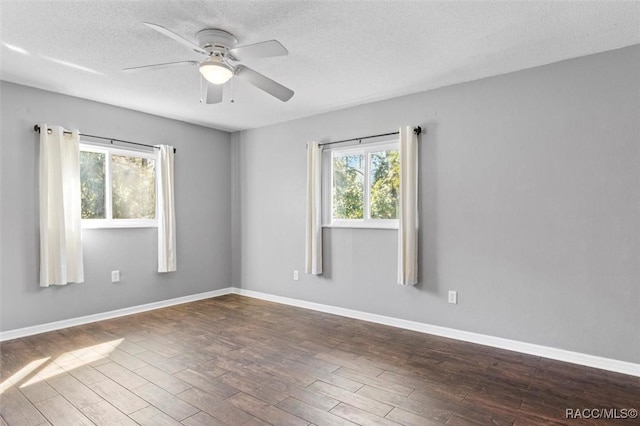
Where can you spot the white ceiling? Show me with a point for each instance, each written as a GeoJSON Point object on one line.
{"type": "Point", "coordinates": [341, 53]}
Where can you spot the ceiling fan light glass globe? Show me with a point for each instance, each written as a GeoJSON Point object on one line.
{"type": "Point", "coordinates": [216, 71]}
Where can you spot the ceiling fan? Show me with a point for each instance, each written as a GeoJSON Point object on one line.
{"type": "Point", "coordinates": [222, 52]}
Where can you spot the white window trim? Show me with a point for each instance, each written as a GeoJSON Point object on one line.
{"type": "Point", "coordinates": [118, 223]}
{"type": "Point", "coordinates": [327, 186]}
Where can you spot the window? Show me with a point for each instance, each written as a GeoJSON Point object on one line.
{"type": "Point", "coordinates": [361, 186]}
{"type": "Point", "coordinates": [118, 187]}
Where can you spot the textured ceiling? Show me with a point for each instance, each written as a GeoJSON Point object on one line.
{"type": "Point", "coordinates": [341, 53]}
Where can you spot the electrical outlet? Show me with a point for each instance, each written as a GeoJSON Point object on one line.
{"type": "Point", "coordinates": [115, 276]}
{"type": "Point", "coordinates": [453, 297]}
{"type": "Point", "coordinates": [295, 275]}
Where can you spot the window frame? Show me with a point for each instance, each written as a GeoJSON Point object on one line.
{"type": "Point", "coordinates": [327, 185]}
{"type": "Point", "coordinates": [109, 221]}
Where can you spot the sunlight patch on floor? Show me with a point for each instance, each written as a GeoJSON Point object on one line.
{"type": "Point", "coordinates": [44, 369]}
{"type": "Point", "coordinates": [21, 374]}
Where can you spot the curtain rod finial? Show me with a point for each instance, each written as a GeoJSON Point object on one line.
{"type": "Point", "coordinates": [417, 130]}
{"type": "Point", "coordinates": [36, 128]}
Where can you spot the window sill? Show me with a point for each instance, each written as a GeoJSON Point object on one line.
{"type": "Point", "coordinates": [393, 225]}
{"type": "Point", "coordinates": [117, 224]}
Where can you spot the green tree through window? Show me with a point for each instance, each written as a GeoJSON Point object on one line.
{"type": "Point", "coordinates": [134, 187]}
{"type": "Point", "coordinates": [385, 183]}
{"type": "Point", "coordinates": [348, 185]}
{"type": "Point", "coordinates": [365, 183]}
{"type": "Point", "coordinates": [92, 185]}
{"type": "Point", "coordinates": [116, 186]}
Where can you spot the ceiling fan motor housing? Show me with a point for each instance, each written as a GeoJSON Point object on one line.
{"type": "Point", "coordinates": [216, 41]}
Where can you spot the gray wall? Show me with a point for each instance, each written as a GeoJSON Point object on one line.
{"type": "Point", "coordinates": [203, 194]}
{"type": "Point", "coordinates": [530, 210]}
{"type": "Point", "coordinates": [530, 194]}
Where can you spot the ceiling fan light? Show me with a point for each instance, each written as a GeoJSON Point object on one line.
{"type": "Point", "coordinates": [216, 71]}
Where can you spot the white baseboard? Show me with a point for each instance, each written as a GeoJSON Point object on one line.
{"type": "Point", "coordinates": [466, 336]}
{"type": "Point", "coordinates": [72, 322]}
{"type": "Point", "coordinates": [482, 339]}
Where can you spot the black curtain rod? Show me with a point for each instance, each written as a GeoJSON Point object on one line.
{"type": "Point", "coordinates": [416, 130]}
{"type": "Point", "coordinates": [112, 140]}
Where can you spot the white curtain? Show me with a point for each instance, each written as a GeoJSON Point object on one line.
{"type": "Point", "coordinates": [408, 212]}
{"type": "Point", "coordinates": [60, 209]}
{"type": "Point", "coordinates": [166, 211]}
{"type": "Point", "coordinates": [313, 249]}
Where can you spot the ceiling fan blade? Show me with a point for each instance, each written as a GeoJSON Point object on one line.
{"type": "Point", "coordinates": [160, 66]}
{"type": "Point", "coordinates": [176, 37]}
{"type": "Point", "coordinates": [264, 83]}
{"type": "Point", "coordinates": [212, 92]}
{"type": "Point", "coordinates": [263, 49]}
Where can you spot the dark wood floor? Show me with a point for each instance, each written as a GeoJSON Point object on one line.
{"type": "Point", "coordinates": [240, 361]}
